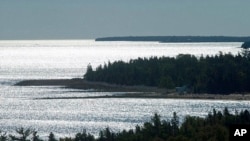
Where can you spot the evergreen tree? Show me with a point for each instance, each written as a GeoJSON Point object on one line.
{"type": "Point", "coordinates": [3, 136]}
{"type": "Point", "coordinates": [23, 135]}
{"type": "Point", "coordinates": [52, 137]}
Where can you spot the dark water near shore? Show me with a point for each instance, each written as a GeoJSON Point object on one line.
{"type": "Point", "coordinates": [67, 59]}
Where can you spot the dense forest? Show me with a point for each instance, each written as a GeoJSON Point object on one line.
{"type": "Point", "coordinates": [218, 74]}
{"type": "Point", "coordinates": [177, 38]}
{"type": "Point", "coordinates": [246, 45]}
{"type": "Point", "coordinates": [215, 127]}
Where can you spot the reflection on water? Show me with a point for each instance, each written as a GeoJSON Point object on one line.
{"type": "Point", "coordinates": [67, 59]}
{"type": "Point", "coordinates": [19, 106]}
{"type": "Point", "coordinates": [68, 116]}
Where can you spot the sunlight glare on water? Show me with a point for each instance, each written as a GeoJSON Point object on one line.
{"type": "Point", "coordinates": [20, 106]}
{"type": "Point", "coordinates": [69, 116]}
{"type": "Point", "coordinates": [67, 59]}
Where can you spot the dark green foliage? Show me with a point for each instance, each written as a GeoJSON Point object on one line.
{"type": "Point", "coordinates": [23, 135]}
{"type": "Point", "coordinates": [3, 136]}
{"type": "Point", "coordinates": [214, 127]}
{"type": "Point", "coordinates": [52, 137]}
{"type": "Point", "coordinates": [66, 139]}
{"type": "Point", "coordinates": [246, 45]}
{"type": "Point", "coordinates": [84, 136]}
{"type": "Point", "coordinates": [219, 74]}
{"type": "Point", "coordinates": [106, 135]}
{"type": "Point", "coordinates": [36, 137]}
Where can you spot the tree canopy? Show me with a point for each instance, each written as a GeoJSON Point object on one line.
{"type": "Point", "coordinates": [246, 45]}
{"type": "Point", "coordinates": [215, 126]}
{"type": "Point", "coordinates": [218, 74]}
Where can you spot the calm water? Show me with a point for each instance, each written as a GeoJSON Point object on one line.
{"type": "Point", "coordinates": [21, 60]}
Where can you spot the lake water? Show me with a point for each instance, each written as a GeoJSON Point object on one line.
{"type": "Point", "coordinates": [21, 60]}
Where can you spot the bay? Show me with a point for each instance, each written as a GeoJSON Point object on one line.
{"type": "Point", "coordinates": [69, 58]}
{"type": "Point", "coordinates": [56, 59]}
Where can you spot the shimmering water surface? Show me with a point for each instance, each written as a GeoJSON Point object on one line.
{"type": "Point", "coordinates": [19, 106]}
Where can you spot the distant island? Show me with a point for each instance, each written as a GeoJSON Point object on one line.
{"type": "Point", "coordinates": [176, 39]}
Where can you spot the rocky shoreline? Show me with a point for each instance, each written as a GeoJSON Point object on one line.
{"type": "Point", "coordinates": [133, 91]}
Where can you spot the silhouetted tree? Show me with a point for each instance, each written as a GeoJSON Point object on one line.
{"type": "Point", "coordinates": [3, 136]}
{"type": "Point", "coordinates": [175, 124]}
{"type": "Point", "coordinates": [52, 137]}
{"type": "Point", "coordinates": [36, 137]}
{"type": "Point", "coordinates": [84, 136]}
{"type": "Point", "coordinates": [219, 74]}
{"type": "Point", "coordinates": [246, 45]}
{"type": "Point", "coordinates": [215, 126]}
{"type": "Point", "coordinates": [23, 135]}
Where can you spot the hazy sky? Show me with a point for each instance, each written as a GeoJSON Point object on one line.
{"type": "Point", "coordinates": [88, 19]}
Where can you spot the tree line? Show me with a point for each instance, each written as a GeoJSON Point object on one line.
{"type": "Point", "coordinates": [177, 39]}
{"type": "Point", "coordinates": [246, 45]}
{"type": "Point", "coordinates": [215, 126]}
{"type": "Point", "coordinates": [218, 74]}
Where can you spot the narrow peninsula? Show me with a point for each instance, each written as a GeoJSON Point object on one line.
{"type": "Point", "coordinates": [222, 76]}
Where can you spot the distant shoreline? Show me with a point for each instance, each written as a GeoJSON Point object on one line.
{"type": "Point", "coordinates": [133, 91]}
{"type": "Point", "coordinates": [177, 39]}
